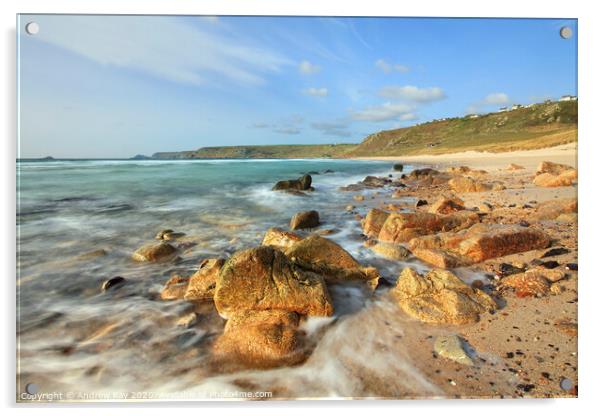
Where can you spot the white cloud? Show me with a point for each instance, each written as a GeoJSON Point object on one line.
{"type": "Point", "coordinates": [307, 68]}
{"type": "Point", "coordinates": [412, 93]}
{"type": "Point", "coordinates": [387, 67]}
{"type": "Point", "coordinates": [165, 47]}
{"type": "Point", "coordinates": [384, 112]}
{"type": "Point", "coordinates": [316, 92]}
{"type": "Point", "coordinates": [497, 98]}
{"type": "Point", "coordinates": [408, 117]}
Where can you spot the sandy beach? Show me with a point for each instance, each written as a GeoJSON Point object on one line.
{"type": "Point", "coordinates": [565, 154]}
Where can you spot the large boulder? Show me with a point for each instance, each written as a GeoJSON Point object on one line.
{"type": "Point", "coordinates": [402, 227]}
{"type": "Point", "coordinates": [326, 258]}
{"type": "Point", "coordinates": [463, 184]}
{"type": "Point", "coordinates": [154, 252]}
{"type": "Point", "coordinates": [423, 173]}
{"type": "Point", "coordinates": [465, 170]}
{"type": "Point", "coordinates": [476, 244]}
{"type": "Point", "coordinates": [445, 205]}
{"type": "Point", "coordinates": [550, 174]}
{"type": "Point", "coordinates": [278, 238]}
{"type": "Point", "coordinates": [305, 219]}
{"type": "Point", "coordinates": [375, 182]}
{"type": "Point", "coordinates": [440, 297]}
{"type": "Point", "coordinates": [264, 278]}
{"type": "Point", "coordinates": [261, 339]}
{"type": "Point", "coordinates": [201, 285]}
{"type": "Point", "coordinates": [301, 184]}
{"type": "Point", "coordinates": [374, 221]}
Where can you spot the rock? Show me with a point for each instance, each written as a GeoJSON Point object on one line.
{"type": "Point", "coordinates": [450, 347]}
{"type": "Point", "coordinates": [391, 251]}
{"type": "Point", "coordinates": [154, 252]}
{"type": "Point", "coordinates": [172, 236]}
{"type": "Point", "coordinates": [301, 184]}
{"type": "Point", "coordinates": [261, 339]}
{"type": "Point", "coordinates": [349, 208]}
{"type": "Point", "coordinates": [568, 327]}
{"type": "Point", "coordinates": [485, 207]}
{"type": "Point", "coordinates": [526, 284]}
{"type": "Point", "coordinates": [187, 321]}
{"type": "Point", "coordinates": [465, 170]}
{"type": "Point", "coordinates": [439, 258]}
{"type": "Point", "coordinates": [402, 227]}
{"type": "Point", "coordinates": [506, 269]}
{"type": "Point", "coordinates": [464, 184]}
{"type": "Point", "coordinates": [549, 180]}
{"type": "Point", "coordinates": [550, 210]}
{"type": "Point", "coordinates": [264, 278]}
{"type": "Point", "coordinates": [553, 168]}
{"type": "Point", "coordinates": [358, 198]}
{"type": "Point", "coordinates": [326, 258]}
{"type": "Point", "coordinates": [482, 241]}
{"type": "Point", "coordinates": [202, 283]}
{"type": "Point", "coordinates": [423, 173]}
{"type": "Point", "coordinates": [514, 166]}
{"type": "Point", "coordinates": [440, 297]}
{"type": "Point", "coordinates": [174, 288]}
{"type": "Point", "coordinates": [161, 233]}
{"type": "Point", "coordinates": [572, 266]}
{"type": "Point", "coordinates": [93, 254]}
{"type": "Point", "coordinates": [550, 264]}
{"type": "Point", "coordinates": [398, 167]}
{"type": "Point", "coordinates": [550, 275]}
{"type": "Point", "coordinates": [445, 205]}
{"type": "Point", "coordinates": [375, 182]}
{"type": "Point", "coordinates": [421, 202]}
{"type": "Point", "coordinates": [498, 187]}
{"type": "Point", "coordinates": [112, 283]}
{"type": "Point", "coordinates": [372, 224]}
{"type": "Point", "coordinates": [305, 219]}
{"type": "Point", "coordinates": [572, 217]}
{"type": "Point", "coordinates": [278, 238]}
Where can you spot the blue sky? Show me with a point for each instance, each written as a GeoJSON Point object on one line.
{"type": "Point", "coordinates": [116, 86]}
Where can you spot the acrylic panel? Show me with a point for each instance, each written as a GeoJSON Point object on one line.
{"type": "Point", "coordinates": [278, 208]}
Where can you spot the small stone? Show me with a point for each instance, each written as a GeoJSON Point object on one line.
{"type": "Point", "coordinates": [187, 321]}
{"type": "Point", "coordinates": [555, 252]}
{"type": "Point", "coordinates": [556, 289]}
{"type": "Point", "coordinates": [358, 198]}
{"type": "Point", "coordinates": [450, 347]}
{"type": "Point", "coordinates": [421, 202]}
{"type": "Point", "coordinates": [524, 223]}
{"type": "Point", "coordinates": [161, 233]}
{"type": "Point", "coordinates": [551, 264]}
{"type": "Point", "coordinates": [566, 384]}
{"type": "Point", "coordinates": [112, 283]}
{"type": "Point", "coordinates": [571, 266]}
{"type": "Point", "coordinates": [349, 208]}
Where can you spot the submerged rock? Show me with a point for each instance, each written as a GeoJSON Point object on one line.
{"type": "Point", "coordinates": [398, 167]}
{"type": "Point", "coordinates": [450, 347]}
{"type": "Point", "coordinates": [264, 278]}
{"type": "Point", "coordinates": [391, 251]}
{"type": "Point", "coordinates": [174, 288]}
{"type": "Point", "coordinates": [301, 184]}
{"type": "Point", "coordinates": [162, 233]}
{"type": "Point", "coordinates": [480, 242]}
{"type": "Point", "coordinates": [374, 221]}
{"type": "Point", "coordinates": [404, 226]}
{"type": "Point", "coordinates": [440, 297]}
{"type": "Point", "coordinates": [278, 238]}
{"type": "Point", "coordinates": [154, 252]}
{"type": "Point", "coordinates": [201, 285]}
{"type": "Point", "coordinates": [326, 258]}
{"type": "Point", "coordinates": [305, 219]}
{"type": "Point", "coordinates": [112, 283]}
{"type": "Point", "coordinates": [261, 339]}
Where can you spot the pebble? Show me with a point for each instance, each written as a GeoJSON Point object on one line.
{"type": "Point", "coordinates": [421, 202]}
{"type": "Point", "coordinates": [550, 264]}
{"type": "Point", "coordinates": [112, 283]}
{"type": "Point", "coordinates": [187, 321]}
{"type": "Point", "coordinates": [566, 384]}
{"type": "Point", "coordinates": [571, 266]}
{"type": "Point", "coordinates": [555, 252]}
{"type": "Point", "coordinates": [450, 347]}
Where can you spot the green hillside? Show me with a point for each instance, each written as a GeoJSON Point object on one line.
{"type": "Point", "coordinates": [541, 125]}
{"type": "Point", "coordinates": [262, 152]}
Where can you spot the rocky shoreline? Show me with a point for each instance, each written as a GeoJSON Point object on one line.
{"type": "Point", "coordinates": [510, 333]}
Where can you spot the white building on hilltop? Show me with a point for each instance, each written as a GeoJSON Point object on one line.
{"type": "Point", "coordinates": [568, 98]}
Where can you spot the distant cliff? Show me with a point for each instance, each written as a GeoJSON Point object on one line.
{"type": "Point", "coordinates": [261, 152]}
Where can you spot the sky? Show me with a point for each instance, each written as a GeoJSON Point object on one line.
{"type": "Point", "coordinates": [116, 86]}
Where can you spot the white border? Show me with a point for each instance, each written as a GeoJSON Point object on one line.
{"type": "Point", "coordinates": [590, 139]}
